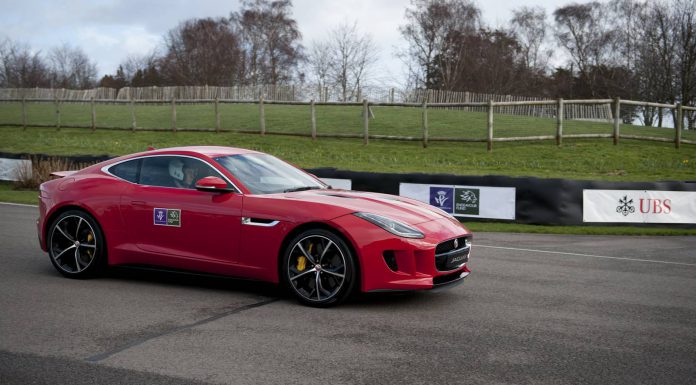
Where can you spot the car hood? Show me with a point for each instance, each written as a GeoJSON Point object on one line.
{"type": "Point", "coordinates": [403, 209]}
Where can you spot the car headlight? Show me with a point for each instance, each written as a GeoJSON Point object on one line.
{"type": "Point", "coordinates": [391, 225]}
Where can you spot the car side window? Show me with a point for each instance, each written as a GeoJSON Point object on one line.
{"type": "Point", "coordinates": [174, 171]}
{"type": "Point", "coordinates": [128, 170]}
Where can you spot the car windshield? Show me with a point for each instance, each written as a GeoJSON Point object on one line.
{"type": "Point", "coordinates": [266, 174]}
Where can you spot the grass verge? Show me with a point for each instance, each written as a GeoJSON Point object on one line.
{"type": "Point", "coordinates": [10, 195]}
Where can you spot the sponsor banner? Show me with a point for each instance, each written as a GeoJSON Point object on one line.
{"type": "Point", "coordinates": [343, 184]}
{"type": "Point", "coordinates": [9, 168]}
{"type": "Point", "coordinates": [465, 201]}
{"type": "Point", "coordinates": [639, 206]}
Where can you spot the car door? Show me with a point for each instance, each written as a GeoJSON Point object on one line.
{"type": "Point", "coordinates": [165, 218]}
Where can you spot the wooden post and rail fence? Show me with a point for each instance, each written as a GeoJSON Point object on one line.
{"type": "Point", "coordinates": [490, 107]}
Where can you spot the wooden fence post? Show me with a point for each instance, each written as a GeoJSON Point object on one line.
{"type": "Point", "coordinates": [93, 113]}
{"type": "Point", "coordinates": [57, 114]}
{"type": "Point", "coordinates": [262, 117]}
{"type": "Point", "coordinates": [617, 119]}
{"type": "Point", "coordinates": [132, 108]}
{"type": "Point", "coordinates": [366, 122]}
{"type": "Point", "coordinates": [678, 126]}
{"type": "Point", "coordinates": [425, 124]}
{"type": "Point", "coordinates": [659, 117]}
{"type": "Point", "coordinates": [24, 113]}
{"type": "Point", "coordinates": [174, 114]}
{"type": "Point", "coordinates": [490, 125]}
{"type": "Point", "coordinates": [217, 115]}
{"type": "Point", "coordinates": [313, 112]}
{"type": "Point", "coordinates": [559, 122]}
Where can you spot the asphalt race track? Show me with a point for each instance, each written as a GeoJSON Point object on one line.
{"type": "Point", "coordinates": [536, 309]}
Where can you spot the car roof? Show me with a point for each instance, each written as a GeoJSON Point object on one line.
{"type": "Point", "coordinates": [209, 151]}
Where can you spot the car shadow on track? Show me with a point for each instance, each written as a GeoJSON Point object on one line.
{"type": "Point", "coordinates": [150, 275]}
{"type": "Point", "coordinates": [183, 278]}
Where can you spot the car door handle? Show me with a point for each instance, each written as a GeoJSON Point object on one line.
{"type": "Point", "coordinates": [138, 203]}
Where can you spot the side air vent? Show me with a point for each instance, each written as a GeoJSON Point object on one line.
{"type": "Point", "coordinates": [259, 222]}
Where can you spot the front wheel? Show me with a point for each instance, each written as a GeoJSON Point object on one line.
{"type": "Point", "coordinates": [76, 245]}
{"type": "Point", "coordinates": [319, 268]}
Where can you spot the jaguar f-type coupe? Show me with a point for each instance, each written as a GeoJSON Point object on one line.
{"type": "Point", "coordinates": [236, 212]}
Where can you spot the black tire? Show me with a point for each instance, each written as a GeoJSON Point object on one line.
{"type": "Point", "coordinates": [328, 261]}
{"type": "Point", "coordinates": [76, 245]}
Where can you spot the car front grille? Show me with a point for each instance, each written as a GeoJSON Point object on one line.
{"type": "Point", "coordinates": [449, 245]}
{"type": "Point", "coordinates": [447, 257]}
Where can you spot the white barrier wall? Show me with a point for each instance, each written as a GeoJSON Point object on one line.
{"type": "Point", "coordinates": [10, 167]}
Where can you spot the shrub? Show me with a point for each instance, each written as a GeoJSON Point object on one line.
{"type": "Point", "coordinates": [31, 174]}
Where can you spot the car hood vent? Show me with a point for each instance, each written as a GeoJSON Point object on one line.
{"type": "Point", "coordinates": [337, 195]}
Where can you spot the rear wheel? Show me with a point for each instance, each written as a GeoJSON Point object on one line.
{"type": "Point", "coordinates": [319, 268]}
{"type": "Point", "coordinates": [76, 245]}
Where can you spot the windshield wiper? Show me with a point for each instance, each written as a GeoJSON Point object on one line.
{"type": "Point", "coordinates": [303, 188]}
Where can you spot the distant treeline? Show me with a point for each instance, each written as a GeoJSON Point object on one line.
{"type": "Point", "coordinates": [642, 50]}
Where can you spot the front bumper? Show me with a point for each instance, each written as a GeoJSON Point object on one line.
{"type": "Point", "coordinates": [413, 261]}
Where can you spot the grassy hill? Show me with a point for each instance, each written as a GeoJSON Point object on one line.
{"type": "Point", "coordinates": [577, 159]}
{"type": "Point", "coordinates": [404, 121]}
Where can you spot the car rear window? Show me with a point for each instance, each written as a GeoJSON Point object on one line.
{"type": "Point", "coordinates": [129, 170]}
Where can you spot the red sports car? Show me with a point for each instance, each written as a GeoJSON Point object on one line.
{"type": "Point", "coordinates": [244, 213]}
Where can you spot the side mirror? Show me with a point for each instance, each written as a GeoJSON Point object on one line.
{"type": "Point", "coordinates": [212, 183]}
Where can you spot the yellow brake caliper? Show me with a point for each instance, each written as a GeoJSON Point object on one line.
{"type": "Point", "coordinates": [302, 260]}
{"type": "Point", "coordinates": [90, 238]}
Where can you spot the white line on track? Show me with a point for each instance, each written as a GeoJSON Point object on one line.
{"type": "Point", "coordinates": [589, 255]}
{"type": "Point", "coordinates": [17, 204]}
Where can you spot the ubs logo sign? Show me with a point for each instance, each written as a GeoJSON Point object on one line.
{"type": "Point", "coordinates": [655, 206]}
{"type": "Point", "coordinates": [645, 205]}
{"type": "Point", "coordinates": [625, 206]}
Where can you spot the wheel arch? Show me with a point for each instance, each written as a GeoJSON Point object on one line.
{"type": "Point", "coordinates": [69, 207]}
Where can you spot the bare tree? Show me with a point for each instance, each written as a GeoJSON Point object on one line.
{"type": "Point", "coordinates": [199, 52]}
{"type": "Point", "coordinates": [666, 60]}
{"type": "Point", "coordinates": [319, 63]}
{"type": "Point", "coordinates": [627, 18]}
{"type": "Point", "coordinates": [344, 60]}
{"type": "Point", "coordinates": [270, 38]}
{"type": "Point", "coordinates": [485, 62]}
{"type": "Point", "coordinates": [429, 27]}
{"type": "Point", "coordinates": [71, 68]}
{"type": "Point", "coordinates": [685, 19]}
{"type": "Point", "coordinates": [528, 26]}
{"type": "Point", "coordinates": [20, 67]}
{"type": "Point", "coordinates": [138, 63]}
{"type": "Point", "coordinates": [583, 31]}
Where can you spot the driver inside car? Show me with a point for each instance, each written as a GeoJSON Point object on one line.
{"type": "Point", "coordinates": [183, 174]}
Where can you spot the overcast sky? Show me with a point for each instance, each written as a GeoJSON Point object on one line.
{"type": "Point", "coordinates": [110, 30]}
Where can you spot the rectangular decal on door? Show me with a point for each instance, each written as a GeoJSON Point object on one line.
{"type": "Point", "coordinates": [167, 217]}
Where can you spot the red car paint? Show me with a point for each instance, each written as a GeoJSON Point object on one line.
{"type": "Point", "coordinates": [211, 237]}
